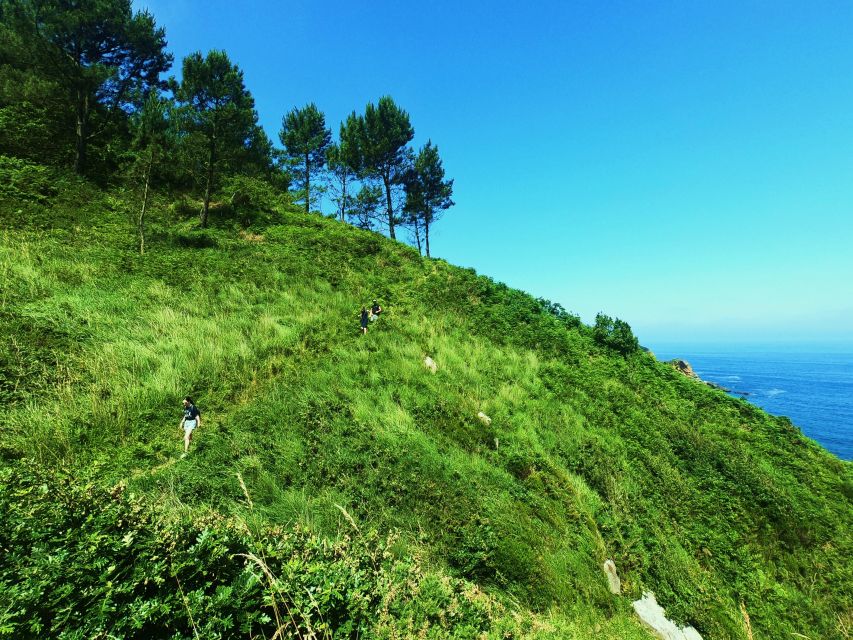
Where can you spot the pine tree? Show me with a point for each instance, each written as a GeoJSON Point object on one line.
{"type": "Point", "coordinates": [383, 135]}
{"type": "Point", "coordinates": [428, 194]}
{"type": "Point", "coordinates": [218, 120]}
{"type": "Point", "coordinates": [344, 165]}
{"type": "Point", "coordinates": [305, 138]}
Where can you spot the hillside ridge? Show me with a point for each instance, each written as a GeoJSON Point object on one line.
{"type": "Point", "coordinates": [591, 453]}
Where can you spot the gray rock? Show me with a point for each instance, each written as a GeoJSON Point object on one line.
{"type": "Point", "coordinates": [654, 617]}
{"type": "Point", "coordinates": [430, 364]}
{"type": "Point", "coordinates": [613, 581]}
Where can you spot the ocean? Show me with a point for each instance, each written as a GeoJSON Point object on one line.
{"type": "Point", "coordinates": [813, 388]}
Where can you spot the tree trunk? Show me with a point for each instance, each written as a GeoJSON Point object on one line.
{"type": "Point", "coordinates": [387, 181]}
{"type": "Point", "coordinates": [307, 186]}
{"type": "Point", "coordinates": [208, 185]}
{"type": "Point", "coordinates": [206, 206]}
{"type": "Point", "coordinates": [141, 225]}
{"type": "Point", "coordinates": [418, 235]}
{"type": "Point", "coordinates": [426, 235]}
{"type": "Point", "coordinates": [82, 131]}
{"type": "Point", "coordinates": [343, 195]}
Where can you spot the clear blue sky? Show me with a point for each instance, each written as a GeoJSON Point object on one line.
{"type": "Point", "coordinates": [686, 166]}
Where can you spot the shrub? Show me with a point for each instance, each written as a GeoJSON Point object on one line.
{"type": "Point", "coordinates": [183, 207]}
{"type": "Point", "coordinates": [615, 334]}
{"type": "Point", "coordinates": [567, 319]}
{"type": "Point", "coordinates": [81, 561]}
{"type": "Point", "coordinates": [25, 180]}
{"type": "Point", "coordinates": [251, 197]}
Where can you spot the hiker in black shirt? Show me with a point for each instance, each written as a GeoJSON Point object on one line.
{"type": "Point", "coordinates": [375, 310]}
{"type": "Point", "coordinates": [191, 420]}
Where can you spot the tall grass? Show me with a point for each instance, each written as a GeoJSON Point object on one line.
{"type": "Point", "coordinates": [702, 498]}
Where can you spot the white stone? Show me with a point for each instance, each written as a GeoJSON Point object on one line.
{"type": "Point", "coordinates": [486, 420]}
{"type": "Point", "coordinates": [654, 617]}
{"type": "Point", "coordinates": [613, 581]}
{"type": "Point", "coordinates": [430, 364]}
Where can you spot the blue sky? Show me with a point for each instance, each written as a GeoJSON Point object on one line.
{"type": "Point", "coordinates": [686, 166]}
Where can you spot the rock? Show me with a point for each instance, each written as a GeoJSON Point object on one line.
{"type": "Point", "coordinates": [486, 420]}
{"type": "Point", "coordinates": [684, 367]}
{"type": "Point", "coordinates": [654, 617]}
{"type": "Point", "coordinates": [430, 364]}
{"type": "Point", "coordinates": [720, 387]}
{"type": "Point", "coordinates": [613, 581]}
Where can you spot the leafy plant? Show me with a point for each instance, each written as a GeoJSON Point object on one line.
{"type": "Point", "coordinates": [614, 333]}
{"type": "Point", "coordinates": [24, 180]}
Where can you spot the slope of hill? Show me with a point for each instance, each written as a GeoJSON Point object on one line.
{"type": "Point", "coordinates": [736, 521]}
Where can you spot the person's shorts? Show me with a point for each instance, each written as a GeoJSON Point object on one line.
{"type": "Point", "coordinates": [189, 425]}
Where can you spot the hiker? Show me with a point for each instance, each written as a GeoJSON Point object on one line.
{"type": "Point", "coordinates": [364, 320]}
{"type": "Point", "coordinates": [191, 420]}
{"type": "Point", "coordinates": [375, 310]}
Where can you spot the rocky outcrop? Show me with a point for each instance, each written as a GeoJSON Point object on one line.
{"type": "Point", "coordinates": [654, 617]}
{"type": "Point", "coordinates": [613, 581]}
{"type": "Point", "coordinates": [684, 367]}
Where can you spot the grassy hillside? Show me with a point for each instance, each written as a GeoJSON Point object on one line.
{"type": "Point", "coordinates": [717, 507]}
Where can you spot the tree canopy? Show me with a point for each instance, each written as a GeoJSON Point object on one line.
{"type": "Point", "coordinates": [77, 81]}
{"type": "Point", "coordinates": [101, 53]}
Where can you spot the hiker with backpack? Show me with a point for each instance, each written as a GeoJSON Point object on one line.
{"type": "Point", "coordinates": [375, 310]}
{"type": "Point", "coordinates": [190, 421]}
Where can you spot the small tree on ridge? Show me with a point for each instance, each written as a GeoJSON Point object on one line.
{"type": "Point", "coordinates": [384, 133]}
{"type": "Point", "coordinates": [344, 165]}
{"type": "Point", "coordinates": [428, 194]}
{"type": "Point", "coordinates": [218, 120]}
{"type": "Point", "coordinates": [152, 139]}
{"type": "Point", "coordinates": [305, 138]}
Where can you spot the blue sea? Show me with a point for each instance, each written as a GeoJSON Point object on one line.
{"type": "Point", "coordinates": [813, 387]}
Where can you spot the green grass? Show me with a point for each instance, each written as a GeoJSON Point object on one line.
{"type": "Point", "coordinates": [702, 498]}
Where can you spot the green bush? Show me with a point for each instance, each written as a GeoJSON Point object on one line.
{"type": "Point", "coordinates": [615, 334]}
{"type": "Point", "coordinates": [252, 195]}
{"type": "Point", "coordinates": [25, 180]}
{"type": "Point", "coordinates": [80, 561]}
{"type": "Point", "coordinates": [569, 320]}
